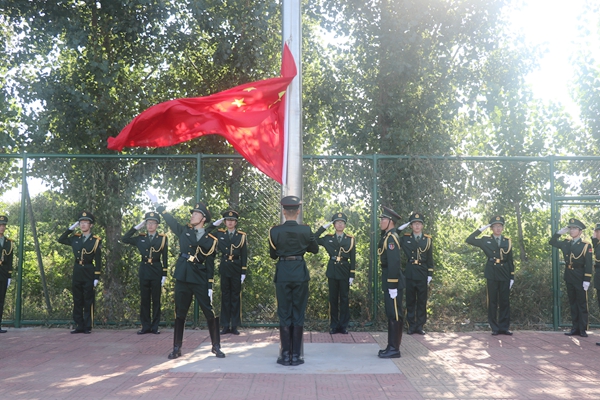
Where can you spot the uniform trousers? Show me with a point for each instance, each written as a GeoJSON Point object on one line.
{"type": "Point", "coordinates": [83, 298]}
{"type": "Point", "coordinates": [231, 288]}
{"type": "Point", "coordinates": [339, 310]}
{"type": "Point", "coordinates": [184, 291]}
{"type": "Point", "coordinates": [578, 303]}
{"type": "Point", "coordinates": [416, 303]}
{"type": "Point", "coordinates": [150, 291]}
{"type": "Point", "coordinates": [292, 298]}
{"type": "Point", "coordinates": [3, 290]}
{"type": "Point", "coordinates": [498, 298]}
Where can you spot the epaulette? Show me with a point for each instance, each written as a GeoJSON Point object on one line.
{"type": "Point", "coordinates": [10, 240]}
{"type": "Point", "coordinates": [350, 236]}
{"type": "Point", "coordinates": [77, 234]}
{"type": "Point", "coordinates": [97, 237]}
{"type": "Point", "coordinates": [486, 237]}
{"type": "Point", "coordinates": [161, 234]}
{"type": "Point", "coordinates": [427, 236]}
{"type": "Point", "coordinates": [407, 234]}
{"type": "Point", "coordinates": [210, 234]}
{"type": "Point", "coordinates": [507, 238]}
{"type": "Point", "coordinates": [142, 234]}
{"type": "Point", "coordinates": [190, 226]}
{"type": "Point", "coordinates": [241, 233]}
{"type": "Point", "coordinates": [329, 234]}
{"type": "Point", "coordinates": [221, 230]}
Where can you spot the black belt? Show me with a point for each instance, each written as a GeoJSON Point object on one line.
{"type": "Point", "coordinates": [190, 258]}
{"type": "Point", "coordinates": [229, 258]}
{"type": "Point", "coordinates": [339, 258]}
{"type": "Point", "coordinates": [81, 262]}
{"type": "Point", "coordinates": [291, 258]}
{"type": "Point", "coordinates": [571, 266]}
{"type": "Point", "coordinates": [150, 260]}
{"type": "Point", "coordinates": [414, 262]}
{"type": "Point", "coordinates": [496, 260]}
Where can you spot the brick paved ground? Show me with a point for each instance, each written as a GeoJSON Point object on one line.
{"type": "Point", "coordinates": [39, 363]}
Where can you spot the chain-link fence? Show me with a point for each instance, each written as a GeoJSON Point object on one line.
{"type": "Point", "coordinates": [457, 195]}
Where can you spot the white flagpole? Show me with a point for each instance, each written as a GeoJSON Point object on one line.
{"type": "Point", "coordinates": [292, 155]}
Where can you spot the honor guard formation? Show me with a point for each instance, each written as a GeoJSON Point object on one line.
{"type": "Point", "coordinates": [405, 259]}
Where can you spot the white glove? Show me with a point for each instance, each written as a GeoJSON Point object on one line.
{"type": "Point", "coordinates": [350, 280]}
{"type": "Point", "coordinates": [429, 278]}
{"type": "Point", "coordinates": [563, 230]}
{"type": "Point", "coordinates": [210, 294]}
{"type": "Point", "coordinates": [327, 225]}
{"type": "Point", "coordinates": [512, 281]}
{"type": "Point", "coordinates": [8, 283]}
{"type": "Point", "coordinates": [162, 281]}
{"type": "Point", "coordinates": [95, 282]}
{"type": "Point", "coordinates": [218, 222]}
{"type": "Point", "coordinates": [586, 285]}
{"type": "Point", "coordinates": [75, 225]}
{"type": "Point", "coordinates": [483, 228]}
{"type": "Point", "coordinates": [403, 226]}
{"type": "Point", "coordinates": [243, 277]}
{"type": "Point", "coordinates": [139, 226]}
{"type": "Point", "coordinates": [152, 197]}
{"type": "Point", "coordinates": [393, 293]}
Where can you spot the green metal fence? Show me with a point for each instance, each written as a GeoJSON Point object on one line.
{"type": "Point", "coordinates": [362, 183]}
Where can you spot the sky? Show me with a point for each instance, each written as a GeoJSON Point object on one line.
{"type": "Point", "coordinates": [551, 23]}
{"type": "Point", "coordinates": [554, 23]}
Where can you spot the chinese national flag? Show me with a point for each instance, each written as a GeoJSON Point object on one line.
{"type": "Point", "coordinates": [249, 116]}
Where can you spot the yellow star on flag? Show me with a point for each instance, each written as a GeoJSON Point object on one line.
{"type": "Point", "coordinates": [239, 102]}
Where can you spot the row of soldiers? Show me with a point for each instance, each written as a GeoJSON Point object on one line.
{"type": "Point", "coordinates": [194, 272]}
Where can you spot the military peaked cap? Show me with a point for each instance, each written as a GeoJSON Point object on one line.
{"type": "Point", "coordinates": [202, 209]}
{"type": "Point", "coordinates": [575, 223]}
{"type": "Point", "coordinates": [3, 220]}
{"type": "Point", "coordinates": [231, 214]}
{"type": "Point", "coordinates": [597, 227]}
{"type": "Point", "coordinates": [291, 202]}
{"type": "Point", "coordinates": [87, 216]}
{"type": "Point", "coordinates": [497, 219]}
{"type": "Point", "coordinates": [416, 217]}
{"type": "Point", "coordinates": [339, 217]}
{"type": "Point", "coordinates": [387, 212]}
{"type": "Point", "coordinates": [152, 216]}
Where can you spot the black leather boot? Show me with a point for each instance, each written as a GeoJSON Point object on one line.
{"type": "Point", "coordinates": [297, 346]}
{"type": "Point", "coordinates": [284, 345]}
{"type": "Point", "coordinates": [215, 337]}
{"type": "Point", "coordinates": [395, 340]}
{"type": "Point", "coordinates": [177, 338]}
{"type": "Point", "coordinates": [389, 340]}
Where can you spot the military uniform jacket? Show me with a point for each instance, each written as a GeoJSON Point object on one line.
{"type": "Point", "coordinates": [499, 265]}
{"type": "Point", "coordinates": [196, 256]}
{"type": "Point", "coordinates": [287, 240]}
{"type": "Point", "coordinates": [578, 259]}
{"type": "Point", "coordinates": [234, 253]}
{"type": "Point", "coordinates": [419, 256]}
{"type": "Point", "coordinates": [88, 255]}
{"type": "Point", "coordinates": [388, 250]}
{"type": "Point", "coordinates": [153, 264]}
{"type": "Point", "coordinates": [342, 255]}
{"type": "Point", "coordinates": [6, 259]}
{"type": "Point", "coordinates": [596, 261]}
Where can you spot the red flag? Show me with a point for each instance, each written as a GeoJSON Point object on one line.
{"type": "Point", "coordinates": [249, 116]}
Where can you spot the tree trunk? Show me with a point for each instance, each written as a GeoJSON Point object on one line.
{"type": "Point", "coordinates": [523, 254]}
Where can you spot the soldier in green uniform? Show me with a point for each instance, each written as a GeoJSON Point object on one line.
{"type": "Point", "coordinates": [194, 273]}
{"type": "Point", "coordinates": [233, 246]}
{"type": "Point", "coordinates": [340, 271]}
{"type": "Point", "coordinates": [287, 244]}
{"type": "Point", "coordinates": [87, 249]}
{"type": "Point", "coordinates": [154, 249]}
{"type": "Point", "coordinates": [6, 264]}
{"type": "Point", "coordinates": [578, 255]}
{"type": "Point", "coordinates": [596, 245]}
{"type": "Point", "coordinates": [499, 273]}
{"type": "Point", "coordinates": [392, 280]}
{"type": "Point", "coordinates": [418, 249]}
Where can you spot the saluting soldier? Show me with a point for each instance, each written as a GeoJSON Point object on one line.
{"type": "Point", "coordinates": [392, 280]}
{"type": "Point", "coordinates": [87, 249]}
{"type": "Point", "coordinates": [287, 244]}
{"type": "Point", "coordinates": [154, 249]}
{"type": "Point", "coordinates": [418, 249]}
{"type": "Point", "coordinates": [499, 273]}
{"type": "Point", "coordinates": [6, 264]}
{"type": "Point", "coordinates": [596, 244]}
{"type": "Point", "coordinates": [578, 255]}
{"type": "Point", "coordinates": [194, 273]}
{"type": "Point", "coordinates": [233, 246]}
{"type": "Point", "coordinates": [340, 271]}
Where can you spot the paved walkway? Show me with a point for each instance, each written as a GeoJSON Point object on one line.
{"type": "Point", "coordinates": [39, 363]}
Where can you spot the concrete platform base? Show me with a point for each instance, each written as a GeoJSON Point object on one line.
{"type": "Point", "coordinates": [260, 358]}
